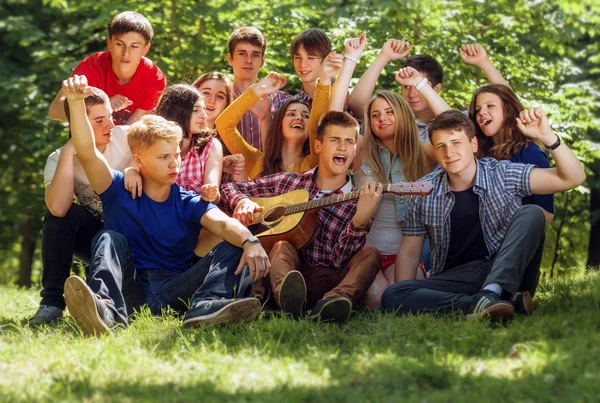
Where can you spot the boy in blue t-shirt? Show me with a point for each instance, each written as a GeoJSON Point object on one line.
{"type": "Point", "coordinates": [155, 234]}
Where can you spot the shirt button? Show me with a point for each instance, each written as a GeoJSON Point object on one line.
{"type": "Point", "coordinates": [402, 201]}
{"type": "Point", "coordinates": [397, 169]}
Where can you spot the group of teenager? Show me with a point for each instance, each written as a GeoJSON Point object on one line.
{"type": "Point", "coordinates": [153, 169]}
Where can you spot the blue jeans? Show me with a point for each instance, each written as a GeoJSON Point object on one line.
{"type": "Point", "coordinates": [174, 289]}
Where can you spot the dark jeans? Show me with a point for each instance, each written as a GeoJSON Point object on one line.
{"type": "Point", "coordinates": [63, 237]}
{"type": "Point", "coordinates": [113, 277]}
{"type": "Point", "coordinates": [516, 267]}
{"type": "Point", "coordinates": [168, 288]}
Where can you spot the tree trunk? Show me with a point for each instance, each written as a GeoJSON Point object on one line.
{"type": "Point", "coordinates": [558, 233]}
{"type": "Point", "coordinates": [594, 245]}
{"type": "Point", "coordinates": [27, 248]}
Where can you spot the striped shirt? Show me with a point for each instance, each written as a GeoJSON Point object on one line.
{"type": "Point", "coordinates": [500, 186]}
{"type": "Point", "coordinates": [249, 126]}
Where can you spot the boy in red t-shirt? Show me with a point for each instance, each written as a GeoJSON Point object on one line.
{"type": "Point", "coordinates": [132, 81]}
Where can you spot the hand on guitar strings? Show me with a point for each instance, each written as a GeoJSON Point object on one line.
{"type": "Point", "coordinates": [244, 211]}
{"type": "Point", "coordinates": [368, 202]}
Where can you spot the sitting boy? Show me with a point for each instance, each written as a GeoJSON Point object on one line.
{"type": "Point", "coordinates": [246, 56]}
{"type": "Point", "coordinates": [68, 227]}
{"type": "Point", "coordinates": [333, 271]}
{"type": "Point", "coordinates": [485, 246]}
{"type": "Point", "coordinates": [132, 81]}
{"type": "Point", "coordinates": [155, 234]}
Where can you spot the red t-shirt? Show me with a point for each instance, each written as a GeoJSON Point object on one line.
{"type": "Point", "coordinates": [143, 90]}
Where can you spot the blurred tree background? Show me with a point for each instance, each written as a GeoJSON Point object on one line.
{"type": "Point", "coordinates": [548, 50]}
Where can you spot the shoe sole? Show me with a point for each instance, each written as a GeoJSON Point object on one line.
{"type": "Point", "coordinates": [292, 294]}
{"type": "Point", "coordinates": [334, 311]}
{"type": "Point", "coordinates": [500, 312]}
{"type": "Point", "coordinates": [236, 312]}
{"type": "Point", "coordinates": [528, 307]}
{"type": "Point", "coordinates": [81, 303]}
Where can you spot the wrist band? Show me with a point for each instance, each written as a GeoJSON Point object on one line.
{"type": "Point", "coordinates": [130, 168]}
{"type": "Point", "coordinates": [351, 59]}
{"type": "Point", "coordinates": [556, 144]}
{"type": "Point", "coordinates": [421, 84]}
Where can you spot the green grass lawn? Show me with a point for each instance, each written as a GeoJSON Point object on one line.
{"type": "Point", "coordinates": [552, 356]}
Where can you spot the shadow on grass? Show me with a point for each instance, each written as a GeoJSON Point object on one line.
{"type": "Point", "coordinates": [390, 380]}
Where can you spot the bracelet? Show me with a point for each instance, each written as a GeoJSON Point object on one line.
{"type": "Point", "coordinates": [556, 144]}
{"type": "Point", "coordinates": [128, 168]}
{"type": "Point", "coordinates": [351, 59]}
{"type": "Point", "coordinates": [421, 84]}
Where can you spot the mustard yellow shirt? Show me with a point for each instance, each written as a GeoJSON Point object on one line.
{"type": "Point", "coordinates": [227, 121]}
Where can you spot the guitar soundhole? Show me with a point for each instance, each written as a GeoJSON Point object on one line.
{"type": "Point", "coordinates": [273, 215]}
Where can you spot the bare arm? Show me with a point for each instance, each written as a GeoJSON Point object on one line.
{"type": "Point", "coordinates": [339, 94]}
{"type": "Point", "coordinates": [476, 55]}
{"type": "Point", "coordinates": [232, 231]}
{"type": "Point", "coordinates": [59, 192]}
{"type": "Point", "coordinates": [94, 163]}
{"type": "Point", "coordinates": [408, 257]}
{"type": "Point", "coordinates": [137, 115]}
{"type": "Point", "coordinates": [393, 49]}
{"type": "Point", "coordinates": [57, 109]}
{"type": "Point", "coordinates": [213, 172]}
{"type": "Point", "coordinates": [568, 172]}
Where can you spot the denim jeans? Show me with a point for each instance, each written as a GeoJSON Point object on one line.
{"type": "Point", "coordinates": [113, 277]}
{"type": "Point", "coordinates": [63, 237]}
{"type": "Point", "coordinates": [516, 267]}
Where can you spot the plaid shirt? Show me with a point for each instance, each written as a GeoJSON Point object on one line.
{"type": "Point", "coordinates": [193, 165]}
{"type": "Point", "coordinates": [249, 126]}
{"type": "Point", "coordinates": [337, 241]}
{"type": "Point", "coordinates": [500, 186]}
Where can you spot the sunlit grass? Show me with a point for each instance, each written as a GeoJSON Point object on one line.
{"type": "Point", "coordinates": [551, 356]}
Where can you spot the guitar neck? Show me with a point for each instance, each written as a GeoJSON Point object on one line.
{"type": "Point", "coordinates": [411, 188]}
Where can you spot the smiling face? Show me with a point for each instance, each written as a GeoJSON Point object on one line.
{"type": "Point", "coordinates": [126, 52]}
{"type": "Point", "coordinates": [215, 98]}
{"type": "Point", "coordinates": [336, 149]}
{"type": "Point", "coordinates": [246, 61]}
{"type": "Point", "coordinates": [383, 119]}
{"type": "Point", "coordinates": [160, 162]}
{"type": "Point", "coordinates": [294, 125]}
{"type": "Point", "coordinates": [489, 113]}
{"type": "Point", "coordinates": [454, 151]}
{"type": "Point", "coordinates": [306, 65]}
{"type": "Point", "coordinates": [100, 117]}
{"type": "Point", "coordinates": [198, 118]}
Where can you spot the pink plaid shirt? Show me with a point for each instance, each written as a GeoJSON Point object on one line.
{"type": "Point", "coordinates": [337, 241]}
{"type": "Point", "coordinates": [193, 165]}
{"type": "Point", "coordinates": [249, 126]}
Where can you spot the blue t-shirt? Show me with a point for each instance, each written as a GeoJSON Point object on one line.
{"type": "Point", "coordinates": [532, 154]}
{"type": "Point", "coordinates": [161, 235]}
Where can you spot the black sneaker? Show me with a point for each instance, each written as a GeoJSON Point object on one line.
{"type": "Point", "coordinates": [292, 294]}
{"type": "Point", "coordinates": [523, 303]}
{"type": "Point", "coordinates": [45, 315]}
{"type": "Point", "coordinates": [335, 309]}
{"type": "Point", "coordinates": [89, 310]}
{"type": "Point", "coordinates": [221, 312]}
{"type": "Point", "coordinates": [487, 304]}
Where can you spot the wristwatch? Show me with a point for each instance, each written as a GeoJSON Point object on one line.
{"type": "Point", "coordinates": [251, 239]}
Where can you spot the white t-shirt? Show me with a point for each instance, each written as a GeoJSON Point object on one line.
{"type": "Point", "coordinates": [117, 155]}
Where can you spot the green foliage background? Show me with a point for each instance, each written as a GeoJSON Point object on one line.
{"type": "Point", "coordinates": [548, 50]}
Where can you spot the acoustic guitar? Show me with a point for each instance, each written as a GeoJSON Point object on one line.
{"type": "Point", "coordinates": [292, 217]}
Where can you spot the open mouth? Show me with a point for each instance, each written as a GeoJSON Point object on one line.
{"type": "Point", "coordinates": [210, 108]}
{"type": "Point", "coordinates": [297, 126]}
{"type": "Point", "coordinates": [486, 122]}
{"type": "Point", "coordinates": [339, 160]}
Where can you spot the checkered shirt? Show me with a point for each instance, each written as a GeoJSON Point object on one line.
{"type": "Point", "coordinates": [193, 165]}
{"type": "Point", "coordinates": [249, 126]}
{"type": "Point", "coordinates": [337, 241]}
{"type": "Point", "coordinates": [500, 186]}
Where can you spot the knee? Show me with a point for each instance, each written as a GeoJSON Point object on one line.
{"type": "Point", "coordinates": [109, 236]}
{"type": "Point", "coordinates": [373, 256]}
{"type": "Point", "coordinates": [532, 216]}
{"type": "Point", "coordinates": [56, 222]}
{"type": "Point", "coordinates": [227, 250]}
{"type": "Point", "coordinates": [282, 246]}
{"type": "Point", "coordinates": [372, 299]}
{"type": "Point", "coordinates": [392, 296]}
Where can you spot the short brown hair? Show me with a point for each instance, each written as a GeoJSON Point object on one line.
{"type": "Point", "coordinates": [314, 41]}
{"type": "Point", "coordinates": [428, 66]}
{"type": "Point", "coordinates": [98, 97]}
{"type": "Point", "coordinates": [336, 118]}
{"type": "Point", "coordinates": [150, 129]}
{"type": "Point", "coordinates": [247, 34]}
{"type": "Point", "coordinates": [130, 21]}
{"type": "Point", "coordinates": [452, 120]}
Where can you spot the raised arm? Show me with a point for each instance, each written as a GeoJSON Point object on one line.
{"type": "Point", "coordinates": [57, 110]}
{"type": "Point", "coordinates": [393, 49]}
{"type": "Point", "coordinates": [475, 54]}
{"type": "Point", "coordinates": [410, 77]}
{"type": "Point", "coordinates": [352, 52]}
{"type": "Point", "coordinates": [568, 172]}
{"type": "Point", "coordinates": [96, 168]}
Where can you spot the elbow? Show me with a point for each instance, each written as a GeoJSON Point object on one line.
{"type": "Point", "coordinates": [58, 211]}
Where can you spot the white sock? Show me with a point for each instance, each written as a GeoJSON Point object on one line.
{"type": "Point", "coordinates": [494, 287]}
